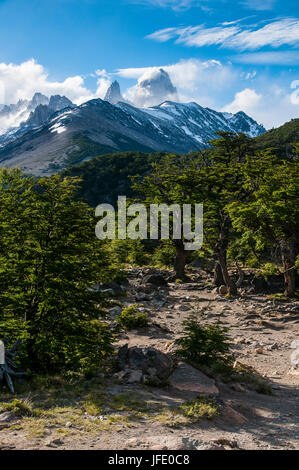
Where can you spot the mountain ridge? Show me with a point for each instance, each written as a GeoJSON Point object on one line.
{"type": "Point", "coordinates": [46, 143]}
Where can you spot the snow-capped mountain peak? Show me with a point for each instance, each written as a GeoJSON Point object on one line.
{"type": "Point", "coordinates": [37, 99]}
{"type": "Point", "coordinates": [16, 119]}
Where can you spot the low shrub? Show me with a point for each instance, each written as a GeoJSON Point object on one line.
{"type": "Point", "coordinates": [203, 344]}
{"type": "Point", "coordinates": [199, 408]}
{"type": "Point", "coordinates": [131, 318]}
{"type": "Point", "coordinates": [19, 408]}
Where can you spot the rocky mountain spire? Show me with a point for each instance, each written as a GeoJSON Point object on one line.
{"type": "Point", "coordinates": [113, 94]}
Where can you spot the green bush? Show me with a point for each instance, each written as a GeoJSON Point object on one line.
{"type": "Point", "coordinates": [164, 255]}
{"type": "Point", "coordinates": [130, 318]}
{"type": "Point", "coordinates": [130, 251]}
{"type": "Point", "coordinates": [269, 269]}
{"type": "Point", "coordinates": [19, 408]}
{"type": "Point", "coordinates": [199, 408]}
{"type": "Point", "coordinates": [203, 344]}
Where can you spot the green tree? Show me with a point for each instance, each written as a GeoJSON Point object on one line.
{"type": "Point", "coordinates": [49, 261]}
{"type": "Point", "coordinates": [169, 183]}
{"type": "Point", "coordinates": [215, 183]}
{"type": "Point", "coordinates": [270, 214]}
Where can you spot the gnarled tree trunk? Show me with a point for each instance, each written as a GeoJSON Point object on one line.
{"type": "Point", "coordinates": [231, 286]}
{"type": "Point", "coordinates": [288, 255]}
{"type": "Point", "coordinates": [218, 277]}
{"type": "Point", "coordinates": [180, 259]}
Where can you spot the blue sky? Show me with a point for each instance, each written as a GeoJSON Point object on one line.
{"type": "Point", "coordinates": [223, 54]}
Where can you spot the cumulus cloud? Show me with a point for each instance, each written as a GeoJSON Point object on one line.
{"type": "Point", "coordinates": [195, 80]}
{"type": "Point", "coordinates": [272, 107]}
{"type": "Point", "coordinates": [284, 31]}
{"type": "Point", "coordinates": [21, 81]}
{"type": "Point", "coordinates": [245, 100]}
{"type": "Point", "coordinates": [153, 87]}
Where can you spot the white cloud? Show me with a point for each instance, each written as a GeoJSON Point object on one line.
{"type": "Point", "coordinates": [195, 80]}
{"type": "Point", "coordinates": [102, 86]}
{"type": "Point", "coordinates": [153, 87]}
{"type": "Point", "coordinates": [273, 107]}
{"type": "Point", "coordinates": [268, 58]}
{"type": "Point", "coordinates": [185, 4]}
{"type": "Point", "coordinates": [276, 33]}
{"type": "Point", "coordinates": [174, 4]}
{"type": "Point", "coordinates": [249, 75]}
{"type": "Point", "coordinates": [259, 4]}
{"type": "Point", "coordinates": [195, 35]}
{"type": "Point", "coordinates": [245, 100]}
{"type": "Point", "coordinates": [21, 81]}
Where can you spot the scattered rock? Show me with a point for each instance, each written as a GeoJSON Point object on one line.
{"type": "Point", "coordinates": [222, 290]}
{"type": "Point", "coordinates": [54, 442]}
{"type": "Point", "coordinates": [238, 387]}
{"type": "Point", "coordinates": [146, 289]}
{"type": "Point", "coordinates": [273, 346]}
{"type": "Point", "coordinates": [182, 308]}
{"type": "Point", "coordinates": [115, 311]}
{"type": "Point", "coordinates": [186, 377]}
{"type": "Point", "coordinates": [232, 416]}
{"type": "Point", "coordinates": [171, 443]}
{"type": "Point", "coordinates": [295, 344]}
{"type": "Point", "coordinates": [259, 351]}
{"type": "Point", "coordinates": [110, 287]}
{"type": "Point", "coordinates": [156, 279]}
{"type": "Point", "coordinates": [140, 296]}
{"type": "Point", "coordinates": [7, 417]}
{"type": "Point", "coordinates": [295, 358]}
{"type": "Point", "coordinates": [223, 441]}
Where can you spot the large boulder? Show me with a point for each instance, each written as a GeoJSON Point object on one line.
{"type": "Point", "coordinates": [153, 363]}
{"type": "Point", "coordinates": [155, 279]}
{"type": "Point", "coordinates": [110, 288]}
{"type": "Point", "coordinates": [187, 378]}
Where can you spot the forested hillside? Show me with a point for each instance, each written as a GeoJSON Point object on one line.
{"type": "Point", "coordinates": [107, 176]}
{"type": "Point", "coordinates": [282, 140]}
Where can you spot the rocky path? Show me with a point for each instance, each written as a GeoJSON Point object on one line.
{"type": "Point", "coordinates": [261, 330]}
